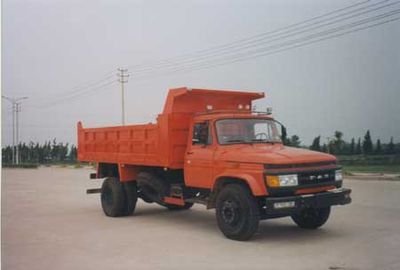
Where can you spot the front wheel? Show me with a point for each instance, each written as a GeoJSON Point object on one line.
{"type": "Point", "coordinates": [311, 218]}
{"type": "Point", "coordinates": [237, 212]}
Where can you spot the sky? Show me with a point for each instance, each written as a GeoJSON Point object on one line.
{"type": "Point", "coordinates": [349, 83]}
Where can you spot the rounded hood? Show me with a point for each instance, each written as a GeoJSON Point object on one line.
{"type": "Point", "coordinates": [271, 154]}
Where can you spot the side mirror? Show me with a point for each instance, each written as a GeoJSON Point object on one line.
{"type": "Point", "coordinates": [283, 133]}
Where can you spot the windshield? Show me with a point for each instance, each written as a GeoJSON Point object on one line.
{"type": "Point", "coordinates": [230, 131]}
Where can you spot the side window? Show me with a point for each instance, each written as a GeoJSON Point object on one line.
{"type": "Point", "coordinates": [201, 134]}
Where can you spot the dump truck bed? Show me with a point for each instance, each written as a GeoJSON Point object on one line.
{"type": "Point", "coordinates": [162, 144]}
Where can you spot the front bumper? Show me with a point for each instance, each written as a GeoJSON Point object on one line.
{"type": "Point", "coordinates": [337, 196]}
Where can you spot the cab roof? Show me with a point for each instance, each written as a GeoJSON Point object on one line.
{"type": "Point", "coordinates": [224, 115]}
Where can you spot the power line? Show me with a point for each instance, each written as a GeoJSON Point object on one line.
{"type": "Point", "coordinates": [299, 45]}
{"type": "Point", "coordinates": [316, 35]}
{"type": "Point", "coordinates": [89, 84]}
{"type": "Point", "coordinates": [76, 90]}
{"type": "Point", "coordinates": [251, 47]}
{"type": "Point", "coordinates": [151, 63]}
{"type": "Point", "coordinates": [243, 56]}
{"type": "Point", "coordinates": [263, 41]}
{"type": "Point", "coordinates": [72, 97]}
{"type": "Point", "coordinates": [251, 40]}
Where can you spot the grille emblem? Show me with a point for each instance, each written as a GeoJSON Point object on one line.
{"type": "Point", "coordinates": [319, 176]}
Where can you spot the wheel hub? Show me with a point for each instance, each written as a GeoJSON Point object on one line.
{"type": "Point", "coordinates": [230, 212]}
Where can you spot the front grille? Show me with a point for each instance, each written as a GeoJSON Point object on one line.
{"type": "Point", "coordinates": [310, 178]}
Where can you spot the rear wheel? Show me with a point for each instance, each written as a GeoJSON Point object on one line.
{"type": "Point", "coordinates": [311, 218]}
{"type": "Point", "coordinates": [113, 197]}
{"type": "Point", "coordinates": [131, 197]}
{"type": "Point", "coordinates": [237, 212]}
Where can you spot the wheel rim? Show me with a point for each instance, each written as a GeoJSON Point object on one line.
{"type": "Point", "coordinates": [230, 212]}
{"type": "Point", "coordinates": [107, 196]}
{"type": "Point", "coordinates": [311, 213]}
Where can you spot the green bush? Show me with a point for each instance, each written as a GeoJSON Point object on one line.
{"type": "Point", "coordinates": [22, 166]}
{"type": "Point", "coordinates": [370, 160]}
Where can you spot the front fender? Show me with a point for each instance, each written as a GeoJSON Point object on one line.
{"type": "Point", "coordinates": [255, 182]}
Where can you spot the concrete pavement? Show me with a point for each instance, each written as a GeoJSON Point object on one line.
{"type": "Point", "coordinates": [48, 222]}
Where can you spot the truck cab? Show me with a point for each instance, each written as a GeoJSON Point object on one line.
{"type": "Point", "coordinates": [249, 146]}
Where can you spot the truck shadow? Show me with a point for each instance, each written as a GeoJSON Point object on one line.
{"type": "Point", "coordinates": [273, 230]}
{"type": "Point", "coordinates": [284, 229]}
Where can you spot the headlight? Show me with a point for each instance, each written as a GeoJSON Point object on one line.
{"type": "Point", "coordinates": [338, 175]}
{"type": "Point", "coordinates": [288, 180]}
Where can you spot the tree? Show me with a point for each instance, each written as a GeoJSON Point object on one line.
{"type": "Point", "coordinates": [324, 148]}
{"type": "Point", "coordinates": [46, 152]}
{"type": "Point", "coordinates": [391, 147]}
{"type": "Point", "coordinates": [295, 141]}
{"type": "Point", "coordinates": [6, 155]}
{"type": "Point", "coordinates": [337, 143]}
{"type": "Point", "coordinates": [316, 144]}
{"type": "Point", "coordinates": [378, 149]}
{"type": "Point", "coordinates": [352, 146]}
{"type": "Point", "coordinates": [73, 154]}
{"type": "Point", "coordinates": [54, 150]}
{"type": "Point", "coordinates": [62, 151]}
{"type": "Point", "coordinates": [292, 141]}
{"type": "Point", "coordinates": [358, 148]}
{"type": "Point", "coordinates": [367, 143]}
{"type": "Point", "coordinates": [37, 153]}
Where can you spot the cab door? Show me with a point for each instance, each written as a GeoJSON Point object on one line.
{"type": "Point", "coordinates": [198, 169]}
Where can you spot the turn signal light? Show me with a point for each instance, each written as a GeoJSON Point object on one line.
{"type": "Point", "coordinates": [288, 180]}
{"type": "Point", "coordinates": [273, 180]}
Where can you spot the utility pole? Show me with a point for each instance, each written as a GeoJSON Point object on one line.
{"type": "Point", "coordinates": [123, 78]}
{"type": "Point", "coordinates": [13, 133]}
{"type": "Point", "coordinates": [16, 108]}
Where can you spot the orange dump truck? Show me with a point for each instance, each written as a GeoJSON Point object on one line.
{"type": "Point", "coordinates": [209, 147]}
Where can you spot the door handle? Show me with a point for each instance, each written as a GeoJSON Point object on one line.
{"type": "Point", "coordinates": [189, 153]}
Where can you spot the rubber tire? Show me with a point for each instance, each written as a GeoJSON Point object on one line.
{"type": "Point", "coordinates": [113, 197]}
{"type": "Point", "coordinates": [248, 215]}
{"type": "Point", "coordinates": [131, 197]}
{"type": "Point", "coordinates": [142, 196]}
{"type": "Point", "coordinates": [311, 218]}
{"type": "Point", "coordinates": [174, 207]}
{"type": "Point", "coordinates": [153, 188]}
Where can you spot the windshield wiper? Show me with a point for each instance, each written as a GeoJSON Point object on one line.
{"type": "Point", "coordinates": [236, 141]}
{"type": "Point", "coordinates": [239, 141]}
{"type": "Point", "coordinates": [264, 141]}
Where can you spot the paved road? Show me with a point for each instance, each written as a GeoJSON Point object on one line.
{"type": "Point", "coordinates": [48, 222]}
